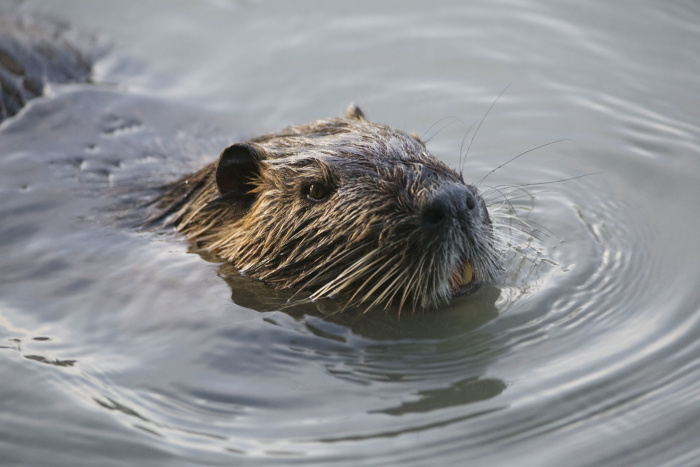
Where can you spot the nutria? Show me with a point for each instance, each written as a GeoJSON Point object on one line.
{"type": "Point", "coordinates": [340, 207]}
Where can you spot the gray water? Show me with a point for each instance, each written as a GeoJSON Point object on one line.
{"type": "Point", "coordinates": [119, 346]}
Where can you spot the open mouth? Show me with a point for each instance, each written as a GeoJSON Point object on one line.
{"type": "Point", "coordinates": [463, 279]}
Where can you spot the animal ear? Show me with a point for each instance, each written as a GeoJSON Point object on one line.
{"type": "Point", "coordinates": [238, 167]}
{"type": "Point", "coordinates": [353, 112]}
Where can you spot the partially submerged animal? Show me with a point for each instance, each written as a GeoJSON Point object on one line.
{"type": "Point", "coordinates": [340, 207]}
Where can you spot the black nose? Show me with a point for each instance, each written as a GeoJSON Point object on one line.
{"type": "Point", "coordinates": [458, 203]}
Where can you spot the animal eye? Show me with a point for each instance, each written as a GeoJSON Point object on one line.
{"type": "Point", "coordinates": [317, 191]}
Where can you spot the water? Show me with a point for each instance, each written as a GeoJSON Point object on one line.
{"type": "Point", "coordinates": [119, 347]}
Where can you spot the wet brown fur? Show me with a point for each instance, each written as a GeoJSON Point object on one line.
{"type": "Point", "coordinates": [340, 206]}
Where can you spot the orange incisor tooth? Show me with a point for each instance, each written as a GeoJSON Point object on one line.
{"type": "Point", "coordinates": [467, 274]}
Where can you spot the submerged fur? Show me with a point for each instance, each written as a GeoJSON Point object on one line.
{"type": "Point", "coordinates": [340, 207]}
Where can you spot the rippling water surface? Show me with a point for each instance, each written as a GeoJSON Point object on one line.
{"type": "Point", "coordinates": [120, 347]}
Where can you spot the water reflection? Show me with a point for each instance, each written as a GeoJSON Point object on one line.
{"type": "Point", "coordinates": [442, 354]}
{"type": "Point", "coordinates": [462, 392]}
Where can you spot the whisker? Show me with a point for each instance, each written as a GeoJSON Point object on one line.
{"type": "Point", "coordinates": [520, 155]}
{"type": "Point", "coordinates": [461, 169]}
{"type": "Point", "coordinates": [439, 130]}
{"type": "Point", "coordinates": [557, 181]}
{"type": "Point", "coordinates": [463, 158]}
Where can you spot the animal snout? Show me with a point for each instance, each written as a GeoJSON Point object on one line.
{"type": "Point", "coordinates": [459, 204]}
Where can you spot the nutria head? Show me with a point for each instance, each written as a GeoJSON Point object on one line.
{"type": "Point", "coordinates": [342, 207]}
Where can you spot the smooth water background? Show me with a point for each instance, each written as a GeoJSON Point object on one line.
{"type": "Point", "coordinates": [118, 347]}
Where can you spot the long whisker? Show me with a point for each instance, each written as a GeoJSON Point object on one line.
{"type": "Point", "coordinates": [555, 181]}
{"type": "Point", "coordinates": [463, 158]}
{"type": "Point", "coordinates": [520, 155]}
{"type": "Point", "coordinates": [439, 130]}
{"type": "Point", "coordinates": [461, 169]}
